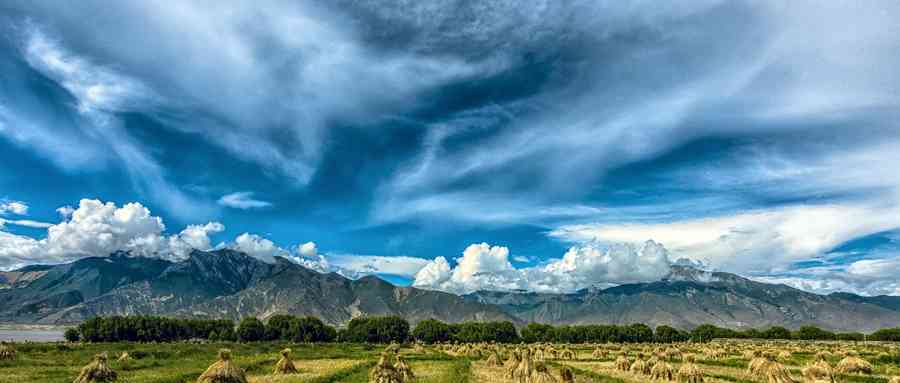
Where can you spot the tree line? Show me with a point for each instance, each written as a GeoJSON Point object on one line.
{"type": "Point", "coordinates": [389, 329]}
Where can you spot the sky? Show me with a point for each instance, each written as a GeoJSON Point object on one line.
{"type": "Point", "coordinates": [460, 145]}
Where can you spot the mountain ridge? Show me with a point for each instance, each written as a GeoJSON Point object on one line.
{"type": "Point", "coordinates": [229, 284]}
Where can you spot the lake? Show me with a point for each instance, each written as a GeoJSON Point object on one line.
{"type": "Point", "coordinates": [31, 335]}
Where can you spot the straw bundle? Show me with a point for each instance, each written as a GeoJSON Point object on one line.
{"type": "Point", "coordinates": [640, 367]}
{"type": "Point", "coordinates": [384, 372]}
{"type": "Point", "coordinates": [285, 365]}
{"type": "Point", "coordinates": [895, 379]}
{"type": "Point", "coordinates": [566, 375]}
{"type": "Point", "coordinates": [662, 371]}
{"type": "Point", "coordinates": [513, 363]}
{"type": "Point", "coordinates": [599, 353]}
{"type": "Point", "coordinates": [689, 372]}
{"type": "Point", "coordinates": [7, 352]}
{"type": "Point", "coordinates": [540, 374]}
{"type": "Point", "coordinates": [854, 365]}
{"type": "Point", "coordinates": [622, 364]}
{"type": "Point", "coordinates": [223, 371]}
{"type": "Point", "coordinates": [776, 373]}
{"type": "Point", "coordinates": [97, 371]}
{"type": "Point", "coordinates": [523, 372]}
{"type": "Point", "coordinates": [406, 374]}
{"type": "Point", "coordinates": [818, 372]}
{"type": "Point", "coordinates": [124, 357]}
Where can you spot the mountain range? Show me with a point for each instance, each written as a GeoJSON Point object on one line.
{"type": "Point", "coordinates": [230, 284]}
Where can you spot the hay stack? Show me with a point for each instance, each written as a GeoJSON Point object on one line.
{"type": "Point", "coordinates": [540, 374]}
{"type": "Point", "coordinates": [662, 371]}
{"type": "Point", "coordinates": [513, 363]}
{"type": "Point", "coordinates": [567, 354]}
{"type": "Point", "coordinates": [784, 355]}
{"type": "Point", "coordinates": [285, 365]}
{"type": "Point", "coordinates": [776, 373]}
{"type": "Point", "coordinates": [689, 372]}
{"type": "Point", "coordinates": [599, 353]}
{"type": "Point", "coordinates": [494, 360]}
{"type": "Point", "coordinates": [223, 371]}
{"type": "Point", "coordinates": [640, 367]}
{"type": "Point", "coordinates": [854, 365]}
{"type": "Point", "coordinates": [97, 371]}
{"type": "Point", "coordinates": [419, 349]}
{"type": "Point", "coordinates": [622, 364]}
{"type": "Point", "coordinates": [818, 372]}
{"type": "Point", "coordinates": [7, 352]}
{"type": "Point", "coordinates": [406, 374]}
{"type": "Point", "coordinates": [384, 372]}
{"type": "Point", "coordinates": [524, 371]}
{"type": "Point", "coordinates": [566, 375]}
{"type": "Point", "coordinates": [895, 379]}
{"type": "Point", "coordinates": [124, 357]}
{"type": "Point", "coordinates": [757, 367]}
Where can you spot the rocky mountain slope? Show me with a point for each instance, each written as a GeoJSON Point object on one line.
{"type": "Point", "coordinates": [229, 284]}
{"type": "Point", "coordinates": [689, 297]}
{"type": "Point", "coordinates": [217, 284]}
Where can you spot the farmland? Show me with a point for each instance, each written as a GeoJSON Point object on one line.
{"type": "Point", "coordinates": [719, 361]}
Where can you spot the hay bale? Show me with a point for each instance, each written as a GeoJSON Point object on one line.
{"type": "Point", "coordinates": [7, 352]}
{"type": "Point", "coordinates": [384, 372]}
{"type": "Point", "coordinates": [689, 372]}
{"type": "Point", "coordinates": [97, 371]}
{"type": "Point", "coordinates": [406, 373]}
{"type": "Point", "coordinates": [854, 365]}
{"type": "Point", "coordinates": [540, 375]}
{"type": "Point", "coordinates": [622, 364]}
{"type": "Point", "coordinates": [285, 366]}
{"type": "Point", "coordinates": [599, 353]}
{"type": "Point", "coordinates": [566, 375]}
{"type": "Point", "coordinates": [223, 371]}
{"type": "Point", "coordinates": [818, 372]}
{"type": "Point", "coordinates": [662, 371]}
{"type": "Point", "coordinates": [494, 360]}
{"type": "Point", "coordinates": [124, 357]}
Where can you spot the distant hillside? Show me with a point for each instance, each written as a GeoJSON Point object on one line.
{"type": "Point", "coordinates": [229, 284]}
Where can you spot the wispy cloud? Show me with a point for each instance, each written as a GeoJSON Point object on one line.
{"type": "Point", "coordinates": [242, 200]}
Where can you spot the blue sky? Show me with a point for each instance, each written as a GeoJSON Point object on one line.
{"type": "Point", "coordinates": [460, 145]}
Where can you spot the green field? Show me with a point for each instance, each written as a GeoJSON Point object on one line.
{"type": "Point", "coordinates": [337, 362]}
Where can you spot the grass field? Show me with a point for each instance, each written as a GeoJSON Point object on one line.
{"type": "Point", "coordinates": [339, 363]}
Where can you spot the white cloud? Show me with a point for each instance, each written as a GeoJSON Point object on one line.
{"type": "Point", "coordinates": [485, 267]}
{"type": "Point", "coordinates": [751, 242]}
{"type": "Point", "coordinates": [309, 249]}
{"type": "Point", "coordinates": [355, 266]}
{"type": "Point", "coordinates": [865, 277]}
{"type": "Point", "coordinates": [13, 207]}
{"type": "Point", "coordinates": [24, 222]}
{"type": "Point", "coordinates": [97, 229]}
{"type": "Point", "coordinates": [258, 247]}
{"type": "Point", "coordinates": [101, 93]}
{"type": "Point", "coordinates": [242, 200]}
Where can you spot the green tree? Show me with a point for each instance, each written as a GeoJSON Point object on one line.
{"type": "Point", "coordinates": [251, 330]}
{"type": "Point", "coordinates": [72, 335]}
{"type": "Point", "coordinates": [538, 332]}
{"type": "Point", "coordinates": [431, 331]}
{"type": "Point", "coordinates": [777, 332]}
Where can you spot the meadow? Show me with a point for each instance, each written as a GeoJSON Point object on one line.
{"type": "Point", "coordinates": [719, 361]}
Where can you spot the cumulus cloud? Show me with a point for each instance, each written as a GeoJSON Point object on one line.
{"type": "Point", "coordinates": [757, 241]}
{"type": "Point", "coordinates": [242, 200]}
{"type": "Point", "coordinates": [309, 249]}
{"type": "Point", "coordinates": [96, 228]}
{"type": "Point", "coordinates": [485, 267]}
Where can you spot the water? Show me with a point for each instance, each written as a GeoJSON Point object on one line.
{"type": "Point", "coordinates": [31, 335]}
